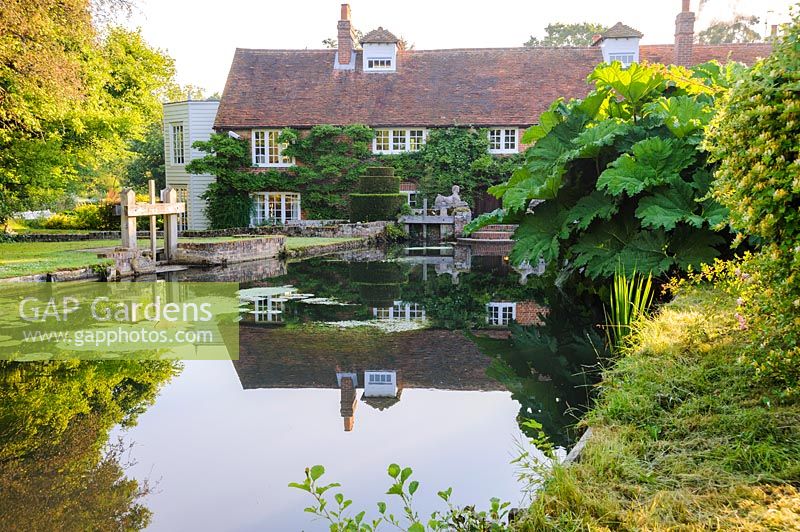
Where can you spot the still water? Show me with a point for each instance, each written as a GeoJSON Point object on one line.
{"type": "Point", "coordinates": [427, 358]}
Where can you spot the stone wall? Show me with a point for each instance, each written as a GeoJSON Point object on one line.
{"type": "Point", "coordinates": [336, 230]}
{"type": "Point", "coordinates": [227, 252]}
{"type": "Point", "coordinates": [308, 228]}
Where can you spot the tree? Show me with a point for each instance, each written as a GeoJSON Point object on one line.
{"type": "Point", "coordinates": [560, 34]}
{"type": "Point", "coordinates": [148, 159]}
{"type": "Point", "coordinates": [618, 178]}
{"type": "Point", "coordinates": [738, 30]}
{"type": "Point", "coordinates": [72, 99]}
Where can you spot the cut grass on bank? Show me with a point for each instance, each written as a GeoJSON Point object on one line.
{"type": "Point", "coordinates": [30, 258]}
{"type": "Point", "coordinates": [683, 436]}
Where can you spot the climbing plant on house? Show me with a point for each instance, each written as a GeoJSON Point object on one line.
{"type": "Point", "coordinates": [332, 158]}
{"type": "Point", "coordinates": [454, 156]}
{"type": "Point", "coordinates": [620, 178]}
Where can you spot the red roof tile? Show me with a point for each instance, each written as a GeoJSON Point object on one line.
{"type": "Point", "coordinates": [433, 88]}
{"type": "Point", "coordinates": [510, 86]}
{"type": "Point", "coordinates": [379, 36]}
{"type": "Point", "coordinates": [702, 53]}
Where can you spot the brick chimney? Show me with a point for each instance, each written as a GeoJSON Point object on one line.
{"type": "Point", "coordinates": [348, 403]}
{"type": "Point", "coordinates": [345, 40]}
{"type": "Point", "coordinates": [684, 36]}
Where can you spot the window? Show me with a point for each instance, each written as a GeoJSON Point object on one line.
{"type": "Point", "coordinates": [275, 207]}
{"type": "Point", "coordinates": [380, 378]}
{"type": "Point", "coordinates": [398, 140]}
{"type": "Point", "coordinates": [177, 144]}
{"type": "Point", "coordinates": [416, 138]}
{"type": "Point", "coordinates": [183, 218]}
{"type": "Point", "coordinates": [500, 313]}
{"type": "Point", "coordinates": [400, 311]}
{"type": "Point", "coordinates": [502, 141]}
{"type": "Point", "coordinates": [267, 151]}
{"type": "Point", "coordinates": [381, 140]}
{"type": "Point", "coordinates": [379, 63]}
{"type": "Point", "coordinates": [625, 58]}
{"type": "Point", "coordinates": [412, 198]}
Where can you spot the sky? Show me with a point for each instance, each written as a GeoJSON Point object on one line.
{"type": "Point", "coordinates": [201, 35]}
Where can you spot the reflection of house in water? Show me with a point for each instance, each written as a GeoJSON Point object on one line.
{"type": "Point", "coordinates": [383, 364]}
{"type": "Point", "coordinates": [269, 303]}
{"type": "Point", "coordinates": [399, 311]}
{"type": "Point", "coordinates": [502, 313]}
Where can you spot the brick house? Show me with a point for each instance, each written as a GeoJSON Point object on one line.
{"type": "Point", "coordinates": [403, 94]}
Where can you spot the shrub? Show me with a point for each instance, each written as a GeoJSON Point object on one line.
{"type": "Point", "coordinates": [754, 138]}
{"type": "Point", "coordinates": [375, 184]}
{"type": "Point", "coordinates": [88, 216]}
{"type": "Point", "coordinates": [621, 175]}
{"type": "Point", "coordinates": [379, 196]}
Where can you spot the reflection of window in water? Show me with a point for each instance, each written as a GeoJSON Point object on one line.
{"type": "Point", "coordinates": [269, 309]}
{"type": "Point", "coordinates": [500, 313]}
{"type": "Point", "coordinates": [400, 311]}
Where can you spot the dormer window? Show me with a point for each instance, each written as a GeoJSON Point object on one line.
{"type": "Point", "coordinates": [625, 58]}
{"type": "Point", "coordinates": [619, 43]}
{"type": "Point", "coordinates": [379, 51]}
{"type": "Point", "coordinates": [381, 63]}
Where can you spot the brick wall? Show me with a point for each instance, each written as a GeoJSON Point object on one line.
{"type": "Point", "coordinates": [531, 313]}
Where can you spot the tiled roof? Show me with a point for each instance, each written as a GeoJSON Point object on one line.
{"type": "Point", "coordinates": [431, 88]}
{"type": "Point", "coordinates": [481, 87]}
{"type": "Point", "coordinates": [379, 36]}
{"type": "Point", "coordinates": [621, 31]}
{"type": "Point", "coordinates": [702, 53]}
{"type": "Point", "coordinates": [427, 358]}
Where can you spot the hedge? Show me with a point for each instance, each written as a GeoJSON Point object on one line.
{"type": "Point", "coordinates": [375, 207]}
{"type": "Point", "coordinates": [379, 184]}
{"type": "Point", "coordinates": [379, 196]}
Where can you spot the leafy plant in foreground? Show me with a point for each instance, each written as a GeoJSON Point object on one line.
{"type": "Point", "coordinates": [620, 178]}
{"type": "Point", "coordinates": [454, 519]}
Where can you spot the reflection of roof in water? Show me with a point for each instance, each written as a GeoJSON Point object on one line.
{"type": "Point", "coordinates": [382, 403]}
{"type": "Point", "coordinates": [297, 358]}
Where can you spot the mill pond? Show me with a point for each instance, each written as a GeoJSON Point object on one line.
{"type": "Point", "coordinates": [428, 357]}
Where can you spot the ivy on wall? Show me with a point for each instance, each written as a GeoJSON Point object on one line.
{"type": "Point", "coordinates": [454, 156]}
{"type": "Point", "coordinates": [332, 159]}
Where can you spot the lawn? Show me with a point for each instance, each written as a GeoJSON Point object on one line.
{"type": "Point", "coordinates": [684, 436]}
{"type": "Point", "coordinates": [28, 258]}
{"type": "Point", "coordinates": [300, 242]}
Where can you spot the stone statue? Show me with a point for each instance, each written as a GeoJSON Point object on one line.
{"type": "Point", "coordinates": [450, 202]}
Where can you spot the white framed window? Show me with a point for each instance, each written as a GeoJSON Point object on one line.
{"type": "Point", "coordinates": [374, 377]}
{"type": "Point", "coordinates": [379, 63]}
{"type": "Point", "coordinates": [500, 313]}
{"type": "Point", "coordinates": [626, 58]}
{"type": "Point", "coordinates": [400, 311]}
{"type": "Point", "coordinates": [398, 140]}
{"type": "Point", "coordinates": [267, 151]}
{"type": "Point", "coordinates": [177, 144]}
{"type": "Point", "coordinates": [503, 140]}
{"type": "Point", "coordinates": [416, 138]}
{"type": "Point", "coordinates": [183, 218]}
{"type": "Point", "coordinates": [275, 207]}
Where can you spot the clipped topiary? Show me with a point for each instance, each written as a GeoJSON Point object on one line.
{"type": "Point", "coordinates": [378, 196]}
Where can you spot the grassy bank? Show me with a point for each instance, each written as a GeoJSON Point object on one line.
{"type": "Point", "coordinates": [684, 437]}
{"type": "Point", "coordinates": [29, 258]}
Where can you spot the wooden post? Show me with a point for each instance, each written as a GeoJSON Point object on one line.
{"type": "Point", "coordinates": [170, 225]}
{"type": "Point", "coordinates": [151, 186]}
{"type": "Point", "coordinates": [128, 224]}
